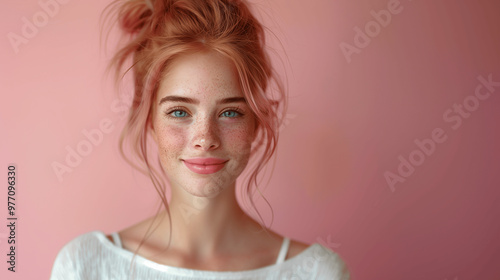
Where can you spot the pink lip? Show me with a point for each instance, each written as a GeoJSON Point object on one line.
{"type": "Point", "coordinates": [204, 165]}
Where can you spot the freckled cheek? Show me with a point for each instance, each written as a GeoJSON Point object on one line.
{"type": "Point", "coordinates": [171, 141]}
{"type": "Point", "coordinates": [237, 138]}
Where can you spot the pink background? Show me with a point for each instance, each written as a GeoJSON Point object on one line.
{"type": "Point", "coordinates": [348, 123]}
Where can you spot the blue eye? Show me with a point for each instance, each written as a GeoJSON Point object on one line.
{"type": "Point", "coordinates": [179, 113]}
{"type": "Point", "coordinates": [230, 114]}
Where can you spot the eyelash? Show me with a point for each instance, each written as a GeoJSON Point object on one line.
{"type": "Point", "coordinates": [175, 109]}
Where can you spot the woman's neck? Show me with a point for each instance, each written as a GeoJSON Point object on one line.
{"type": "Point", "coordinates": [207, 227]}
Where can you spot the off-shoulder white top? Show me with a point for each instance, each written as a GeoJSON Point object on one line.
{"type": "Point", "coordinates": [92, 256]}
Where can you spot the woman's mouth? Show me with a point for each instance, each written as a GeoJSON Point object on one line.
{"type": "Point", "coordinates": [205, 165]}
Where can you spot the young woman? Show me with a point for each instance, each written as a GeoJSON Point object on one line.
{"type": "Point", "coordinates": [201, 80]}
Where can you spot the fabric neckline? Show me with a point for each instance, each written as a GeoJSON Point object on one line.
{"type": "Point", "coordinates": [281, 255]}
{"type": "Point", "coordinates": [196, 272]}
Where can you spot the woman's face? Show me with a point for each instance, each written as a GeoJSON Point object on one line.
{"type": "Point", "coordinates": [202, 125]}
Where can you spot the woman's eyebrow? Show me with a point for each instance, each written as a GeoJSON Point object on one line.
{"type": "Point", "coordinates": [175, 98]}
{"type": "Point", "coordinates": [232, 100]}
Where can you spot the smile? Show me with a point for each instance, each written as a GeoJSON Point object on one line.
{"type": "Point", "coordinates": [204, 165]}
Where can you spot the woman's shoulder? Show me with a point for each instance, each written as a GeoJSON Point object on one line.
{"type": "Point", "coordinates": [89, 238]}
{"type": "Point", "coordinates": [83, 252]}
{"type": "Point", "coordinates": [296, 248]}
{"type": "Point", "coordinates": [315, 260]}
{"type": "Point", "coordinates": [330, 264]}
{"type": "Point", "coordinates": [85, 243]}
{"type": "Point", "coordinates": [327, 263]}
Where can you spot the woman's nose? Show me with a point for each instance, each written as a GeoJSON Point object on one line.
{"type": "Point", "coordinates": [206, 135]}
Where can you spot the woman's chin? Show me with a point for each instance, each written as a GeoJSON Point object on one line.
{"type": "Point", "coordinates": [204, 185]}
{"type": "Point", "coordinates": [203, 188]}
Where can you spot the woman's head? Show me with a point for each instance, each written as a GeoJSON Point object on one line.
{"type": "Point", "coordinates": [200, 115]}
{"type": "Point", "coordinates": [165, 33]}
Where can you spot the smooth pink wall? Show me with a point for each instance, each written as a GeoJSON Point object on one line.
{"type": "Point", "coordinates": [358, 105]}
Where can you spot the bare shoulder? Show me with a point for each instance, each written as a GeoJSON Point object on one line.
{"type": "Point", "coordinates": [131, 236]}
{"type": "Point", "coordinates": [296, 247]}
{"type": "Point", "coordinates": [276, 241]}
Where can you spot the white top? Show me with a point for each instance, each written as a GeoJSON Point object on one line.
{"type": "Point", "coordinates": [93, 256]}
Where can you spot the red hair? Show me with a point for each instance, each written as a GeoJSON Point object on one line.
{"type": "Point", "coordinates": [159, 31]}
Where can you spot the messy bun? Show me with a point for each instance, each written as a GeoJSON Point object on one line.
{"type": "Point", "coordinates": [159, 31]}
{"type": "Point", "coordinates": [135, 15]}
